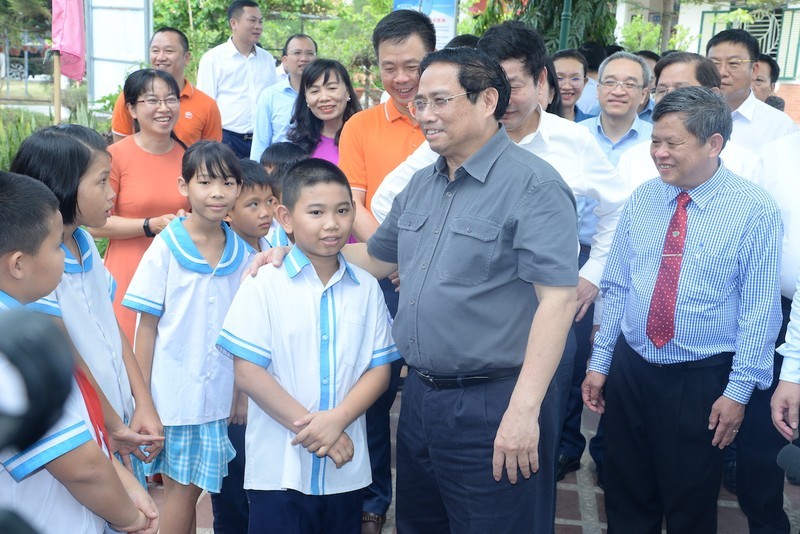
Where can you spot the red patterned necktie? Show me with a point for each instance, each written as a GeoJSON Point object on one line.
{"type": "Point", "coordinates": [661, 317]}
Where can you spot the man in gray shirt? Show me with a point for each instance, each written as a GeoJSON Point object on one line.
{"type": "Point", "coordinates": [485, 242]}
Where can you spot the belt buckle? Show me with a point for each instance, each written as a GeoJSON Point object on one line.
{"type": "Point", "coordinates": [427, 378]}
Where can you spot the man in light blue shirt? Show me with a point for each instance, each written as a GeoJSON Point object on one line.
{"type": "Point", "coordinates": [276, 103]}
{"type": "Point", "coordinates": [673, 402]}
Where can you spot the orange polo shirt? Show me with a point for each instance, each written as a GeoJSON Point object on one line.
{"type": "Point", "coordinates": [199, 117]}
{"type": "Point", "coordinates": [373, 143]}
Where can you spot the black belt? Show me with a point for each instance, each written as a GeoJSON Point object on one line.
{"type": "Point", "coordinates": [244, 137]}
{"type": "Point", "coordinates": [723, 358]}
{"type": "Point", "coordinates": [464, 381]}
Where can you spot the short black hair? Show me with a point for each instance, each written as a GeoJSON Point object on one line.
{"type": "Point", "coordinates": [737, 36]}
{"type": "Point", "coordinates": [649, 54]}
{"type": "Point", "coordinates": [59, 156]}
{"type": "Point", "coordinates": [594, 53]}
{"type": "Point", "coordinates": [218, 160]}
{"type": "Point", "coordinates": [774, 69]}
{"type": "Point", "coordinates": [280, 156]}
{"type": "Point", "coordinates": [307, 173]}
{"type": "Point", "coordinates": [516, 40]}
{"type": "Point", "coordinates": [26, 207]}
{"type": "Point", "coordinates": [253, 174]}
{"type": "Point", "coordinates": [465, 39]}
{"type": "Point", "coordinates": [477, 71]}
{"type": "Point", "coordinates": [399, 25]}
{"type": "Point", "coordinates": [298, 36]}
{"type": "Point", "coordinates": [705, 71]}
{"type": "Point", "coordinates": [237, 7]}
{"type": "Point", "coordinates": [613, 49]}
{"type": "Point", "coordinates": [776, 102]}
{"type": "Point", "coordinates": [181, 36]}
{"type": "Point", "coordinates": [704, 112]}
{"type": "Point", "coordinates": [573, 53]}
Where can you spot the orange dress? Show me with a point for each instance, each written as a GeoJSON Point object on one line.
{"type": "Point", "coordinates": [146, 186]}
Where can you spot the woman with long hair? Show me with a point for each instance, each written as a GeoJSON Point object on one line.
{"type": "Point", "coordinates": [326, 101]}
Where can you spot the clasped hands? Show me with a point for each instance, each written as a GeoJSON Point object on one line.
{"type": "Point", "coordinates": [322, 433]}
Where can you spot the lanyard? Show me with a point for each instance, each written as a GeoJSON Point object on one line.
{"type": "Point", "coordinates": [95, 409]}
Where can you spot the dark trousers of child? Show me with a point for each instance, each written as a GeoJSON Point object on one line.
{"type": "Point", "coordinates": [292, 512]}
{"type": "Point", "coordinates": [230, 504]}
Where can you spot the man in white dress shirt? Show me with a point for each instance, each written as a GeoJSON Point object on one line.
{"type": "Point", "coordinates": [234, 74]}
{"type": "Point", "coordinates": [735, 53]}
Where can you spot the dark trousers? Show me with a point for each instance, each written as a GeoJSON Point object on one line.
{"type": "Point", "coordinates": [445, 443]}
{"type": "Point", "coordinates": [572, 440]}
{"type": "Point", "coordinates": [291, 512]}
{"type": "Point", "coordinates": [759, 479]}
{"type": "Point", "coordinates": [230, 504]}
{"type": "Point", "coordinates": [659, 459]}
{"type": "Point", "coordinates": [562, 383]}
{"type": "Point", "coordinates": [378, 496]}
{"type": "Point", "coordinates": [239, 143]}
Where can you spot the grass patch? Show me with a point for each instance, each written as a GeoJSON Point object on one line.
{"type": "Point", "coordinates": [38, 92]}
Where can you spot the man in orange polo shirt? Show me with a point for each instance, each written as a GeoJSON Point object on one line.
{"type": "Point", "coordinates": [372, 143]}
{"type": "Point", "coordinates": [199, 116]}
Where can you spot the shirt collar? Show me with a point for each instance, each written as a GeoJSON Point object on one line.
{"type": "Point", "coordinates": [263, 244]}
{"type": "Point", "coordinates": [544, 130]}
{"type": "Point", "coordinates": [183, 248]}
{"type": "Point", "coordinates": [84, 242]}
{"type": "Point", "coordinates": [296, 261]}
{"type": "Point", "coordinates": [703, 193]}
{"type": "Point", "coordinates": [7, 302]}
{"type": "Point", "coordinates": [481, 162]}
{"type": "Point", "coordinates": [748, 108]}
{"type": "Point", "coordinates": [392, 113]}
{"type": "Point", "coordinates": [188, 89]}
{"type": "Point", "coordinates": [233, 51]}
{"type": "Point", "coordinates": [636, 127]}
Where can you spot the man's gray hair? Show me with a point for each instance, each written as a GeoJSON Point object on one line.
{"type": "Point", "coordinates": [646, 74]}
{"type": "Point", "coordinates": [705, 112]}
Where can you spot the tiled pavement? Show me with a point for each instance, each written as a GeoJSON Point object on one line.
{"type": "Point", "coordinates": [580, 508]}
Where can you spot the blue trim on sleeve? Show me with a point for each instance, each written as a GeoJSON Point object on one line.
{"type": "Point", "coordinates": [29, 464]}
{"type": "Point", "coordinates": [141, 304]}
{"type": "Point", "coordinates": [240, 348]}
{"type": "Point", "coordinates": [384, 356]}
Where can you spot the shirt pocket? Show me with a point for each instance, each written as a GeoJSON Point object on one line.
{"type": "Point", "coordinates": [409, 235]}
{"type": "Point", "coordinates": [468, 250]}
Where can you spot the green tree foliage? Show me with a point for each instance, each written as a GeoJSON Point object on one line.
{"type": "Point", "coordinates": [592, 20]}
{"type": "Point", "coordinates": [640, 34]}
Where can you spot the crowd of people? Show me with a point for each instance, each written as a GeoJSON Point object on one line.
{"type": "Point", "coordinates": [525, 234]}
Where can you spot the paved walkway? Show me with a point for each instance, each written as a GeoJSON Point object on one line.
{"type": "Point", "coordinates": [580, 508]}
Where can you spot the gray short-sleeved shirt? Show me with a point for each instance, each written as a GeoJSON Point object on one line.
{"type": "Point", "coordinates": [468, 252]}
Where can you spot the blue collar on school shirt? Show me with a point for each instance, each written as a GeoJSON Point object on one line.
{"type": "Point", "coordinates": [183, 248]}
{"type": "Point", "coordinates": [84, 241]}
{"type": "Point", "coordinates": [7, 302]}
{"type": "Point", "coordinates": [296, 261]}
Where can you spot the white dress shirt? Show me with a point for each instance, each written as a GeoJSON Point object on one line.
{"type": "Point", "coordinates": [790, 370]}
{"type": "Point", "coordinates": [756, 123]}
{"type": "Point", "coordinates": [235, 81]}
{"type": "Point", "coordinates": [572, 151]}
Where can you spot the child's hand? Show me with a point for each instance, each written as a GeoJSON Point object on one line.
{"type": "Point", "coordinates": [125, 441]}
{"type": "Point", "coordinates": [322, 430]}
{"type": "Point", "coordinates": [141, 524]}
{"type": "Point", "coordinates": [146, 422]}
{"type": "Point", "coordinates": [238, 409]}
{"type": "Point", "coordinates": [141, 500]}
{"type": "Point", "coordinates": [342, 451]}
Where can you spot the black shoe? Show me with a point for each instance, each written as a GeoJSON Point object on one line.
{"type": "Point", "coordinates": [729, 476]}
{"type": "Point", "coordinates": [565, 465]}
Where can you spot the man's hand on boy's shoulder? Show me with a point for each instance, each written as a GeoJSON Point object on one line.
{"type": "Point", "coordinates": [273, 255]}
{"type": "Point", "coordinates": [342, 451]}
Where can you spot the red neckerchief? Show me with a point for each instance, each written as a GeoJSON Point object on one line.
{"type": "Point", "coordinates": [94, 407]}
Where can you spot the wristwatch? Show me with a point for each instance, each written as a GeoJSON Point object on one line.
{"type": "Point", "coordinates": [147, 231]}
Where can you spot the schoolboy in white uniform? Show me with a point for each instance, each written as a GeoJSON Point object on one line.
{"type": "Point", "coordinates": [311, 342]}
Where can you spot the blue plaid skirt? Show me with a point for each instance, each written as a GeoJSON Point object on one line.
{"type": "Point", "coordinates": [195, 454]}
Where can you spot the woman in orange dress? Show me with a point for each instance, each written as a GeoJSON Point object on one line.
{"type": "Point", "coordinates": [144, 174]}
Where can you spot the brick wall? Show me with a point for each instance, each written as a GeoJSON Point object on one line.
{"type": "Point", "coordinates": [790, 92]}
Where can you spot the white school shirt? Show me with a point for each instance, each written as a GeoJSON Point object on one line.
{"type": "Point", "coordinates": [276, 237]}
{"type": "Point", "coordinates": [316, 340]}
{"type": "Point", "coordinates": [191, 382]}
{"type": "Point", "coordinates": [572, 151]}
{"type": "Point", "coordinates": [781, 179]}
{"type": "Point", "coordinates": [235, 81]}
{"type": "Point", "coordinates": [85, 299]}
{"type": "Point", "coordinates": [756, 123]}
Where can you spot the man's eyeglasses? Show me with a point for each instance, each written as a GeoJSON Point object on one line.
{"type": "Point", "coordinates": [153, 102]}
{"type": "Point", "coordinates": [610, 85]}
{"type": "Point", "coordinates": [731, 64]}
{"type": "Point", "coordinates": [418, 106]}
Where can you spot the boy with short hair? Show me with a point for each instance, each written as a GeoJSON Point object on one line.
{"type": "Point", "coordinates": [311, 369]}
{"type": "Point", "coordinates": [66, 477]}
{"type": "Point", "coordinates": [277, 159]}
{"type": "Point", "coordinates": [251, 216]}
